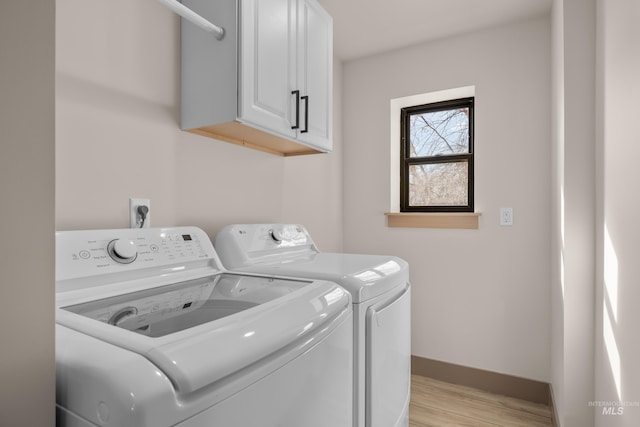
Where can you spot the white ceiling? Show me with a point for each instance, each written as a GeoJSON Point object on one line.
{"type": "Point", "coordinates": [365, 27]}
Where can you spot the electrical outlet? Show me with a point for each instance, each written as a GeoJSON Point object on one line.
{"type": "Point", "coordinates": [506, 216]}
{"type": "Point", "coordinates": [135, 219]}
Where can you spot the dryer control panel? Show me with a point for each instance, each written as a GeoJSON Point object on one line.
{"type": "Point", "coordinates": [98, 252]}
{"type": "Point", "coordinates": [242, 245]}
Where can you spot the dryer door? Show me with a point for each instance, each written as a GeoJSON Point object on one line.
{"type": "Point", "coordinates": [389, 361]}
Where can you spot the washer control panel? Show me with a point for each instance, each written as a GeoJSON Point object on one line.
{"type": "Point", "coordinates": [94, 252]}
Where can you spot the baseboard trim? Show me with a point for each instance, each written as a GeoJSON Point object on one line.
{"type": "Point", "coordinates": [506, 385]}
{"type": "Point", "coordinates": [552, 405]}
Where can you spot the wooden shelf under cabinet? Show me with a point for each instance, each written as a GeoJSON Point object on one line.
{"type": "Point", "coordinates": [237, 133]}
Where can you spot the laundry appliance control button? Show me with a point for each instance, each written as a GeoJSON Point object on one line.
{"type": "Point", "coordinates": [123, 251]}
{"type": "Point", "coordinates": [277, 234]}
{"type": "Point", "coordinates": [84, 254]}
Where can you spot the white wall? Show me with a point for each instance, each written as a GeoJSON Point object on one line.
{"type": "Point", "coordinates": [557, 160]}
{"type": "Point", "coordinates": [118, 136]}
{"type": "Point", "coordinates": [595, 294]}
{"type": "Point", "coordinates": [480, 297]}
{"type": "Point", "coordinates": [573, 254]}
{"type": "Point", "coordinates": [617, 362]}
{"type": "Point", "coordinates": [27, 369]}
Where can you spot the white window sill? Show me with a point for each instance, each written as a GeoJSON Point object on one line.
{"type": "Point", "coordinates": [467, 220]}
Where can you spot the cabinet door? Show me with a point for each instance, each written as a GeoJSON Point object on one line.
{"type": "Point", "coordinates": [315, 74]}
{"type": "Point", "coordinates": [267, 64]}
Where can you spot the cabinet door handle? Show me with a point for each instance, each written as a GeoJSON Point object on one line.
{"type": "Point", "coordinates": [297, 94]}
{"type": "Point", "coordinates": [306, 114]}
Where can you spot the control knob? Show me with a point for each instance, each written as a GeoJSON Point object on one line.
{"type": "Point", "coordinates": [123, 251]}
{"type": "Point", "coordinates": [277, 234]}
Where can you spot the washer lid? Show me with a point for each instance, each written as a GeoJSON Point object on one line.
{"type": "Point", "coordinates": [364, 276]}
{"type": "Point", "coordinates": [202, 330]}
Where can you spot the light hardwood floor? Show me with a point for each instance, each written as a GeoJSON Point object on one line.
{"type": "Point", "coordinates": [437, 404]}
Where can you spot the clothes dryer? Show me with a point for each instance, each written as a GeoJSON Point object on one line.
{"type": "Point", "coordinates": [381, 293]}
{"type": "Point", "coordinates": [152, 332]}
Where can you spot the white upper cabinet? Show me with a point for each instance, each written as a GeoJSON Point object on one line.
{"type": "Point", "coordinates": [315, 73]}
{"type": "Point", "coordinates": [268, 84]}
{"type": "Point", "coordinates": [267, 71]}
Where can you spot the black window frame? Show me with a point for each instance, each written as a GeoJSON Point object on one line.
{"type": "Point", "coordinates": [406, 160]}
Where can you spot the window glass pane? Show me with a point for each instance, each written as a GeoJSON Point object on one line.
{"type": "Point", "coordinates": [438, 184]}
{"type": "Point", "coordinates": [439, 133]}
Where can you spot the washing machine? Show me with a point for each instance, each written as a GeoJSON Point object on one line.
{"type": "Point", "coordinates": [381, 293]}
{"type": "Point", "coordinates": [151, 331]}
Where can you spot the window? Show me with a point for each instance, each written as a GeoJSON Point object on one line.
{"type": "Point", "coordinates": [436, 159]}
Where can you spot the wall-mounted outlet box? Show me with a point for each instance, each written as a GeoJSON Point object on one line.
{"type": "Point", "coordinates": [506, 217]}
{"type": "Point", "coordinates": [138, 219]}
